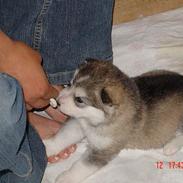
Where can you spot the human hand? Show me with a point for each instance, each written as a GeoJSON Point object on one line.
{"type": "Point", "coordinates": [23, 63]}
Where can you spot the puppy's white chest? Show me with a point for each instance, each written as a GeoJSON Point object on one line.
{"type": "Point", "coordinates": [98, 141]}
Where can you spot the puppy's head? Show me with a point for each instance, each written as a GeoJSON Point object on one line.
{"type": "Point", "coordinates": [98, 90]}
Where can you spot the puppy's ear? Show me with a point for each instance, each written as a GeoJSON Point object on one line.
{"type": "Point", "coordinates": [105, 97]}
{"type": "Point", "coordinates": [112, 95]}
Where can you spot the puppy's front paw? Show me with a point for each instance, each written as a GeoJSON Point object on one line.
{"type": "Point", "coordinates": [51, 147]}
{"type": "Point", "coordinates": [170, 149]}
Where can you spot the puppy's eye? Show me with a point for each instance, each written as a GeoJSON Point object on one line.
{"type": "Point", "coordinates": [78, 100]}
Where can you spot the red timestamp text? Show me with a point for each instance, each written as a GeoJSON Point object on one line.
{"type": "Point", "coordinates": [169, 165]}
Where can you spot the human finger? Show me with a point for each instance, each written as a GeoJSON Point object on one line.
{"type": "Point", "coordinates": [42, 100]}
{"type": "Point", "coordinates": [56, 114]}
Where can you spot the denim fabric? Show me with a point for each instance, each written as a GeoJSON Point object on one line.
{"type": "Point", "coordinates": [64, 31]}
{"type": "Point", "coordinates": [22, 154]}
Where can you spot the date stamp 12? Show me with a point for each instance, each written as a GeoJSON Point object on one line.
{"type": "Point", "coordinates": [169, 165]}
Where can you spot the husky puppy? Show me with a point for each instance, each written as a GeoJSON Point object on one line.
{"type": "Point", "coordinates": [114, 112]}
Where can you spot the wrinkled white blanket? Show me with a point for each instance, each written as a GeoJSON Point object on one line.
{"type": "Point", "coordinates": [154, 42]}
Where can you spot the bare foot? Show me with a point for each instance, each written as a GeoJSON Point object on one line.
{"type": "Point", "coordinates": [49, 127]}
{"type": "Point", "coordinates": [63, 154]}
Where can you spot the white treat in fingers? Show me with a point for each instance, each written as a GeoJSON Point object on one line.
{"type": "Point", "coordinates": [53, 102]}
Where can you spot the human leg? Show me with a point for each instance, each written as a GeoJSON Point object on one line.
{"type": "Point", "coordinates": [65, 32]}
{"type": "Point", "coordinates": [19, 144]}
{"type": "Point", "coordinates": [80, 30]}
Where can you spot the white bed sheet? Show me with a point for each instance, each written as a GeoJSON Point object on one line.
{"type": "Point", "coordinates": [155, 42]}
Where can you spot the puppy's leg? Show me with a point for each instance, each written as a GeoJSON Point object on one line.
{"type": "Point", "coordinates": [173, 146]}
{"type": "Point", "coordinates": [91, 161]}
{"type": "Point", "coordinates": [70, 134]}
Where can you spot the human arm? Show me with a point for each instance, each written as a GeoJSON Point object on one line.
{"type": "Point", "coordinates": [23, 63]}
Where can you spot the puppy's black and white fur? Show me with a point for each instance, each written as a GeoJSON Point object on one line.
{"type": "Point", "coordinates": [114, 112]}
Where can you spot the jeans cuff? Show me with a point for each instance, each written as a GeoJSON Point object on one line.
{"type": "Point", "coordinates": [66, 77]}
{"type": "Point", "coordinates": [60, 77]}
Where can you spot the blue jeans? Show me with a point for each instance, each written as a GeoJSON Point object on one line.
{"type": "Point", "coordinates": [22, 154]}
{"type": "Point", "coordinates": [65, 32]}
